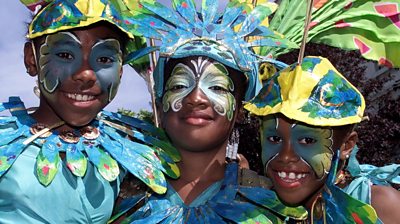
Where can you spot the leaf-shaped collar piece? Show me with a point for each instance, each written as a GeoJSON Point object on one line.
{"type": "Point", "coordinates": [104, 142]}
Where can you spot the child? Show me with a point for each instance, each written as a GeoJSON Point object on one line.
{"type": "Point", "coordinates": [308, 115]}
{"type": "Point", "coordinates": [205, 70]}
{"type": "Point", "coordinates": [77, 49]}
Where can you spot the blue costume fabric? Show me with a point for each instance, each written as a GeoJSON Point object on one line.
{"type": "Point", "coordinates": [68, 199]}
{"type": "Point", "coordinates": [53, 179]}
{"type": "Point", "coordinates": [224, 201]}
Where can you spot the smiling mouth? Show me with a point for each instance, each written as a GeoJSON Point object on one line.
{"type": "Point", "coordinates": [80, 97]}
{"type": "Point", "coordinates": [291, 177]}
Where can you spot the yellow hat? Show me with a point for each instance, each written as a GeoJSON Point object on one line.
{"type": "Point", "coordinates": [312, 92]}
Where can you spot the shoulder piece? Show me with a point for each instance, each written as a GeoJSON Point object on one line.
{"type": "Point", "coordinates": [110, 141]}
{"type": "Point", "coordinates": [250, 178]}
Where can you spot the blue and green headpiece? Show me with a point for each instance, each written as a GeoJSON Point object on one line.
{"type": "Point", "coordinates": [227, 37]}
{"type": "Point", "coordinates": [52, 16]}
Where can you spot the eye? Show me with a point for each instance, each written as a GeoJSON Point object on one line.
{"type": "Point", "coordinates": [307, 141]}
{"type": "Point", "coordinates": [177, 87]}
{"type": "Point", "coordinates": [218, 89]}
{"type": "Point", "coordinates": [105, 60]}
{"type": "Point", "coordinates": [274, 139]}
{"type": "Point", "coordinates": [65, 55]}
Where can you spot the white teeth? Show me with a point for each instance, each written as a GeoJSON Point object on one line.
{"type": "Point", "coordinates": [282, 174]}
{"type": "Point", "coordinates": [79, 97]}
{"type": "Point", "coordinates": [291, 175]}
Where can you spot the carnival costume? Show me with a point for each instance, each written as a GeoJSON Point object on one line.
{"type": "Point", "coordinates": [36, 185]}
{"type": "Point", "coordinates": [185, 32]}
{"type": "Point", "coordinates": [315, 93]}
{"type": "Point", "coordinates": [371, 27]}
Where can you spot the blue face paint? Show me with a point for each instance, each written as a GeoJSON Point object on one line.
{"type": "Point", "coordinates": [312, 144]}
{"type": "Point", "coordinates": [106, 62]}
{"type": "Point", "coordinates": [61, 56]}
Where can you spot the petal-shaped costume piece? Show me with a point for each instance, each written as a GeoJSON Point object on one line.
{"type": "Point", "coordinates": [48, 161]}
{"type": "Point", "coordinates": [76, 161]}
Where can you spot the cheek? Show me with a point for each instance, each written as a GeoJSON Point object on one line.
{"type": "Point", "coordinates": [109, 80]}
{"type": "Point", "coordinates": [319, 160]}
{"type": "Point", "coordinates": [53, 71]}
{"type": "Point", "coordinates": [268, 150]}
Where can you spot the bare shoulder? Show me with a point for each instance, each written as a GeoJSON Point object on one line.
{"type": "Point", "coordinates": [386, 201]}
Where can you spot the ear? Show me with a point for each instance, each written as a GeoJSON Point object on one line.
{"type": "Point", "coordinates": [29, 59]}
{"type": "Point", "coordinates": [348, 145]}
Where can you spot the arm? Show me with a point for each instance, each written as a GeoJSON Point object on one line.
{"type": "Point", "coordinates": [386, 201]}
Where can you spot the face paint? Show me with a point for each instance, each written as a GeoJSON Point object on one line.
{"type": "Point", "coordinates": [106, 62]}
{"type": "Point", "coordinates": [211, 78]}
{"type": "Point", "coordinates": [312, 144]}
{"type": "Point", "coordinates": [61, 56]}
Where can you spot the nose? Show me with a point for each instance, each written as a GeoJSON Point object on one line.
{"type": "Point", "coordinates": [287, 154]}
{"type": "Point", "coordinates": [85, 76]}
{"type": "Point", "coordinates": [196, 99]}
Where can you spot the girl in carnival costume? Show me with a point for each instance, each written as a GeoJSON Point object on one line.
{"type": "Point", "coordinates": [205, 70]}
{"type": "Point", "coordinates": [308, 114]}
{"type": "Point", "coordinates": [309, 111]}
{"type": "Point", "coordinates": [65, 161]}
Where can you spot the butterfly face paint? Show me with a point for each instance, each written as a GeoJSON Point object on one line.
{"type": "Point", "coordinates": [61, 56]}
{"type": "Point", "coordinates": [211, 78]}
{"type": "Point", "coordinates": [312, 144]}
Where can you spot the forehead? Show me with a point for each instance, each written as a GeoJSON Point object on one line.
{"type": "Point", "coordinates": [237, 77]}
{"type": "Point", "coordinates": [91, 34]}
{"type": "Point", "coordinates": [279, 121]}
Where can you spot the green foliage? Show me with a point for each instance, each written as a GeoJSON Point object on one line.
{"type": "Point", "coordinates": [143, 115]}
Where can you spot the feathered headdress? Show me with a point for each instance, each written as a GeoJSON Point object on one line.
{"type": "Point", "coordinates": [183, 31]}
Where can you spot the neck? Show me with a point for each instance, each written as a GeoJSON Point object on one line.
{"type": "Point", "coordinates": [199, 170]}
{"type": "Point", "coordinates": [203, 166]}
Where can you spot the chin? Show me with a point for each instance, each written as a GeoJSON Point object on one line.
{"type": "Point", "coordinates": [290, 201]}
{"type": "Point", "coordinates": [79, 122]}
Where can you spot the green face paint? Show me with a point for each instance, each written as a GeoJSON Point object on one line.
{"type": "Point", "coordinates": [61, 56]}
{"type": "Point", "coordinates": [211, 78]}
{"type": "Point", "coordinates": [312, 144]}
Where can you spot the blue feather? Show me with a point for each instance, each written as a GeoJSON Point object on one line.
{"type": "Point", "coordinates": [209, 9]}
{"type": "Point", "coordinates": [187, 10]}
